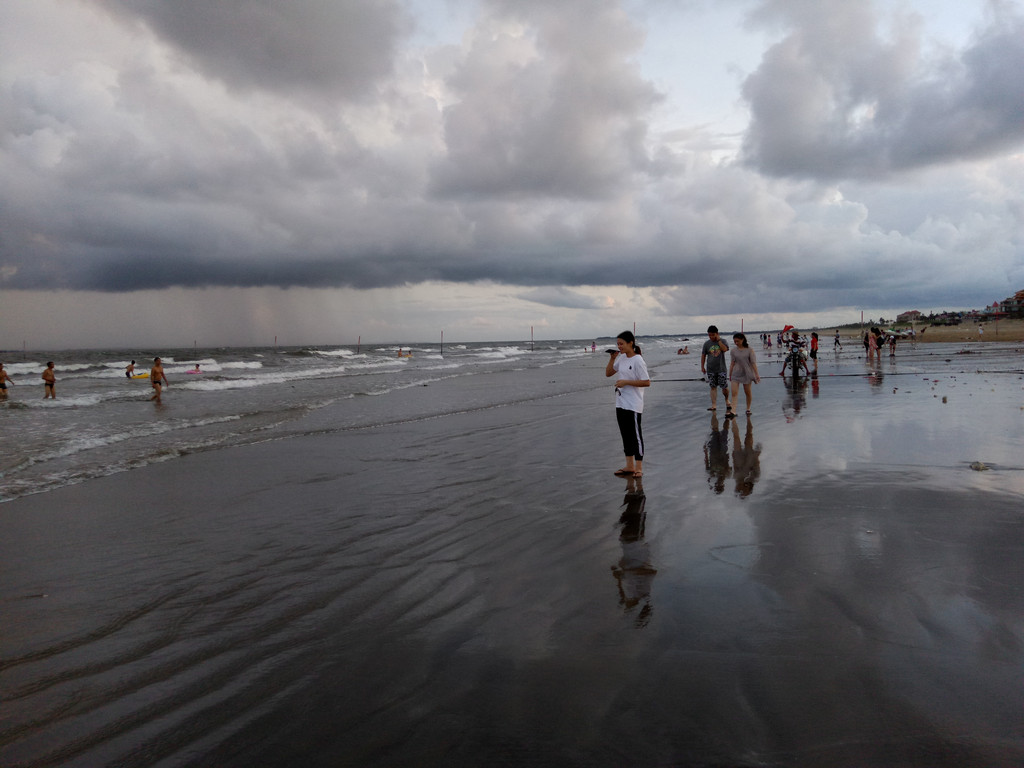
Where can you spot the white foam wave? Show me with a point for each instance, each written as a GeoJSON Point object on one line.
{"type": "Point", "coordinates": [81, 443]}
{"type": "Point", "coordinates": [501, 353]}
{"type": "Point", "coordinates": [22, 369]}
{"type": "Point", "coordinates": [74, 401]}
{"type": "Point", "coordinates": [346, 353]}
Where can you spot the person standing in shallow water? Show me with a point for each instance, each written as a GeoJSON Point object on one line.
{"type": "Point", "coordinates": [631, 370]}
{"type": "Point", "coordinates": [49, 382]}
{"type": "Point", "coordinates": [156, 376]}
{"type": "Point", "coordinates": [4, 381]}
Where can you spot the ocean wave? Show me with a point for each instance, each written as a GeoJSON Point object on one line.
{"type": "Point", "coordinates": [87, 442]}
{"type": "Point", "coordinates": [16, 369]}
{"type": "Point", "coordinates": [500, 353]}
{"type": "Point", "coordinates": [346, 353]}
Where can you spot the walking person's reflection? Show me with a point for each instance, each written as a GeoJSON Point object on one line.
{"type": "Point", "coordinates": [746, 460]}
{"type": "Point", "coordinates": [634, 572]}
{"type": "Point", "coordinates": [716, 456]}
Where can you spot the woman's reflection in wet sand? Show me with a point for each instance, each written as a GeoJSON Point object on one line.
{"type": "Point", "coordinates": [746, 459]}
{"type": "Point", "coordinates": [634, 572]}
{"type": "Point", "coordinates": [716, 456]}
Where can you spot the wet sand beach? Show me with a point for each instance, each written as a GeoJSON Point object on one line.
{"type": "Point", "coordinates": [836, 580]}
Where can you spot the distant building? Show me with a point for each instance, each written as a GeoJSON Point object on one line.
{"type": "Point", "coordinates": [913, 316]}
{"type": "Point", "coordinates": [1014, 306]}
{"type": "Point", "coordinates": [994, 312]}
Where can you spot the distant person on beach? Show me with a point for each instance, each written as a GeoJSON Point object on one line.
{"type": "Point", "coordinates": [683, 351]}
{"type": "Point", "coordinates": [156, 376]}
{"type": "Point", "coordinates": [836, 343]}
{"type": "Point", "coordinates": [130, 370]}
{"type": "Point", "coordinates": [743, 369]}
{"type": "Point", "coordinates": [4, 378]}
{"type": "Point", "coordinates": [593, 346]}
{"type": "Point", "coordinates": [712, 365]}
{"type": "Point", "coordinates": [867, 345]}
{"type": "Point", "coordinates": [814, 348]}
{"type": "Point", "coordinates": [629, 400]}
{"type": "Point", "coordinates": [49, 382]}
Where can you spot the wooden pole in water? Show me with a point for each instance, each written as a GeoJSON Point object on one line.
{"type": "Point", "coordinates": [359, 343]}
{"type": "Point", "coordinates": [442, 343]}
{"type": "Point", "coordinates": [531, 338]}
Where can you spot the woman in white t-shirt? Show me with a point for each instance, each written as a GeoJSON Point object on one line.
{"type": "Point", "coordinates": [629, 400]}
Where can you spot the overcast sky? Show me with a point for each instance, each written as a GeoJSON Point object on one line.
{"type": "Point", "coordinates": [227, 172]}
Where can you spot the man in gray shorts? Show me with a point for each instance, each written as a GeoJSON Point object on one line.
{"type": "Point", "coordinates": [712, 365]}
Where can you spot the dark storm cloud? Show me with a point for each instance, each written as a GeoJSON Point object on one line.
{"type": "Point", "coordinates": [834, 99]}
{"type": "Point", "coordinates": [522, 155]}
{"type": "Point", "coordinates": [309, 45]}
{"type": "Point", "coordinates": [564, 298]}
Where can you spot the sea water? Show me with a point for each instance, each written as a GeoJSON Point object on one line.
{"type": "Point", "coordinates": [103, 422]}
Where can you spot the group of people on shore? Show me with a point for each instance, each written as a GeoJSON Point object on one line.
{"type": "Point", "coordinates": [875, 341]}
{"type": "Point", "coordinates": [627, 363]}
{"type": "Point", "coordinates": [157, 379]}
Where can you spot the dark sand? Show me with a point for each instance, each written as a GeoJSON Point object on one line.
{"type": "Point", "coordinates": [478, 589]}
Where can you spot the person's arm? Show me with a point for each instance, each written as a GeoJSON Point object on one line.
{"type": "Point", "coordinates": [732, 364]}
{"type": "Point", "coordinates": [753, 364]}
{"type": "Point", "coordinates": [609, 370]}
{"type": "Point", "coordinates": [703, 357]}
